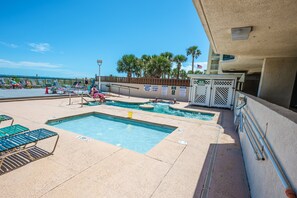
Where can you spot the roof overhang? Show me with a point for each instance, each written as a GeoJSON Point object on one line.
{"type": "Point", "coordinates": [242, 63]}
{"type": "Point", "coordinates": [215, 76]}
{"type": "Point", "coordinates": [274, 26]}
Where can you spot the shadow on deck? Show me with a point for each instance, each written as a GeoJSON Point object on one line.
{"type": "Point", "coordinates": [21, 159]}
{"type": "Point", "coordinates": [223, 174]}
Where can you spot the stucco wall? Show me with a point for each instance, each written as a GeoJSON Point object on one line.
{"type": "Point", "coordinates": [147, 94]}
{"type": "Point", "coordinates": [282, 137]}
{"type": "Point", "coordinates": [277, 80]}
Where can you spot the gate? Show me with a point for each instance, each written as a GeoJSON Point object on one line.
{"type": "Point", "coordinates": [212, 92]}
{"type": "Point", "coordinates": [222, 93]}
{"type": "Point", "coordinates": [200, 93]}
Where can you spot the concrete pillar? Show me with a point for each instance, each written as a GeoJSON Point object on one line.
{"type": "Point", "coordinates": [277, 80]}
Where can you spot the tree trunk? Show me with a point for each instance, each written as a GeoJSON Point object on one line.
{"type": "Point", "coordinates": [193, 64]}
{"type": "Point", "coordinates": [178, 69]}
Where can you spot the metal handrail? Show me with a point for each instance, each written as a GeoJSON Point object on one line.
{"type": "Point", "coordinates": [248, 121]}
{"type": "Point", "coordinates": [125, 86]}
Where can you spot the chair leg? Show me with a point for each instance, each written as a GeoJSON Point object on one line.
{"type": "Point", "coordinates": [30, 156]}
{"type": "Point", "coordinates": [55, 145]}
{"type": "Point", "coordinates": [1, 161]}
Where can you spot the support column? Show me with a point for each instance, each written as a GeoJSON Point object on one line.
{"type": "Point", "coordinates": [277, 80]}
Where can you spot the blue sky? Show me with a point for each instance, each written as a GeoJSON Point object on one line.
{"type": "Point", "coordinates": [65, 38]}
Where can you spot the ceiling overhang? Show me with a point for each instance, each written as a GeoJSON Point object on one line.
{"type": "Point", "coordinates": [274, 26]}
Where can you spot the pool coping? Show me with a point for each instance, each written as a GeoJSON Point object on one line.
{"type": "Point", "coordinates": [215, 115]}
{"type": "Point", "coordinates": [121, 117]}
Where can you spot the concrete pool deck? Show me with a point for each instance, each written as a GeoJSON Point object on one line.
{"type": "Point", "coordinates": [210, 163]}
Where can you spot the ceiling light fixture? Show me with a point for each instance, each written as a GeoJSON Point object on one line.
{"type": "Point", "coordinates": [241, 33]}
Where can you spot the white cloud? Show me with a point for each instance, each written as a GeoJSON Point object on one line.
{"type": "Point", "coordinates": [26, 64]}
{"type": "Point", "coordinates": [40, 47]}
{"type": "Point", "coordinates": [188, 66]}
{"type": "Point", "coordinates": [42, 66]}
{"type": "Point", "coordinates": [11, 45]}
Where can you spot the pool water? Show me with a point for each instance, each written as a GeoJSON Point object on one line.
{"type": "Point", "coordinates": [164, 108]}
{"type": "Point", "coordinates": [130, 134]}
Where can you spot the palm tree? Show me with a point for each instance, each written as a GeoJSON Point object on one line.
{"type": "Point", "coordinates": [127, 64]}
{"type": "Point", "coordinates": [157, 66]}
{"type": "Point", "coordinates": [138, 68]}
{"type": "Point", "coordinates": [144, 60]}
{"type": "Point", "coordinates": [179, 59]}
{"type": "Point", "coordinates": [174, 73]}
{"type": "Point", "coordinates": [183, 74]}
{"type": "Point", "coordinates": [195, 53]}
{"type": "Point", "coordinates": [169, 56]}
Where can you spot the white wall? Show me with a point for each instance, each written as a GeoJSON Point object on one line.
{"type": "Point", "coordinates": [277, 80]}
{"type": "Point", "coordinates": [282, 137]}
{"type": "Point", "coordinates": [147, 94]}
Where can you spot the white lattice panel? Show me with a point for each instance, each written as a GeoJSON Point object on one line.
{"type": "Point", "coordinates": [222, 93]}
{"type": "Point", "coordinates": [212, 92]}
{"type": "Point", "coordinates": [200, 92]}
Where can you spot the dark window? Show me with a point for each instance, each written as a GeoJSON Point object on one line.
{"type": "Point", "coordinates": [228, 57]}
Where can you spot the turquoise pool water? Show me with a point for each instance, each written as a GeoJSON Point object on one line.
{"type": "Point", "coordinates": [130, 134]}
{"type": "Point", "coordinates": [164, 108]}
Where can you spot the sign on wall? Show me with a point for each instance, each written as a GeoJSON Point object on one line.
{"type": "Point", "coordinates": [173, 89]}
{"type": "Point", "coordinates": [155, 88]}
{"type": "Point", "coordinates": [199, 82]}
{"type": "Point", "coordinates": [147, 87]}
{"type": "Point", "coordinates": [183, 91]}
{"type": "Point", "coordinates": [164, 90]}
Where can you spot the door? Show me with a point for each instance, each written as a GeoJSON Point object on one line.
{"type": "Point", "coordinates": [222, 93]}
{"type": "Point", "coordinates": [200, 93]}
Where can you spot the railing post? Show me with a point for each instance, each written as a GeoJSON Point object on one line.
{"type": "Point", "coordinates": [81, 100]}
{"type": "Point", "coordinates": [69, 98]}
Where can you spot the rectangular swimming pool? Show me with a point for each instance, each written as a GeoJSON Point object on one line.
{"type": "Point", "coordinates": [130, 134]}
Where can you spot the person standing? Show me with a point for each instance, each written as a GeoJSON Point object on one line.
{"type": "Point", "coordinates": [86, 82]}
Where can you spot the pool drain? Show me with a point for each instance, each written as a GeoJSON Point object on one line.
{"type": "Point", "coordinates": [183, 142]}
{"type": "Point", "coordinates": [80, 137]}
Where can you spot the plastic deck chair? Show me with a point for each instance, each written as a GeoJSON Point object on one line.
{"type": "Point", "coordinates": [5, 118]}
{"type": "Point", "coordinates": [20, 142]}
{"type": "Point", "coordinates": [12, 130]}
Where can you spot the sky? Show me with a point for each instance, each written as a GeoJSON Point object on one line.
{"type": "Point", "coordinates": [65, 38]}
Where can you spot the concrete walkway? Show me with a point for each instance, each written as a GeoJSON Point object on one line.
{"type": "Point", "coordinates": [210, 163]}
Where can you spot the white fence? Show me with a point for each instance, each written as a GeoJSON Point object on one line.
{"type": "Point", "coordinates": [179, 93]}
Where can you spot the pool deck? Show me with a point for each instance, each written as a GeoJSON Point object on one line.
{"type": "Point", "coordinates": [210, 163]}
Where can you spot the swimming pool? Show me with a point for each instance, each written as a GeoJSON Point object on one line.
{"type": "Point", "coordinates": [163, 108]}
{"type": "Point", "coordinates": [130, 134]}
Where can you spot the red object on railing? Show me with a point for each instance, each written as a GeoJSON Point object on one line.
{"type": "Point", "coordinates": [46, 90]}
{"type": "Point", "coordinates": [290, 193]}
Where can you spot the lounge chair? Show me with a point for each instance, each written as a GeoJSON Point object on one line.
{"type": "Point", "coordinates": [41, 83]}
{"type": "Point", "coordinates": [2, 83]}
{"type": "Point", "coordinates": [22, 142]}
{"type": "Point", "coordinates": [5, 83]}
{"type": "Point", "coordinates": [5, 118]}
{"type": "Point", "coordinates": [34, 84]}
{"type": "Point", "coordinates": [12, 130]}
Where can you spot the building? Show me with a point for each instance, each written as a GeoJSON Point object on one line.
{"type": "Point", "coordinates": [262, 37]}
{"type": "Point", "coordinates": [215, 61]}
{"type": "Point", "coordinates": [269, 48]}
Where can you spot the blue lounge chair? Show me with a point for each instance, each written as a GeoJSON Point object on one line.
{"type": "Point", "coordinates": [22, 142]}
{"type": "Point", "coordinates": [12, 130]}
{"type": "Point", "coordinates": [5, 118]}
